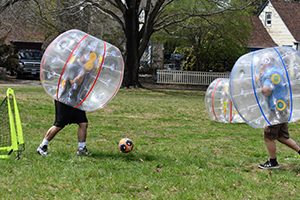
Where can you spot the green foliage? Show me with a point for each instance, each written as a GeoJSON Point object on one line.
{"type": "Point", "coordinates": [210, 42]}
{"type": "Point", "coordinates": [179, 153]}
{"type": "Point", "coordinates": [8, 58]}
{"type": "Point", "coordinates": [190, 58]}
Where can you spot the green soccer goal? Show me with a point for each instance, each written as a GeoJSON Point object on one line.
{"type": "Point", "coordinates": [11, 134]}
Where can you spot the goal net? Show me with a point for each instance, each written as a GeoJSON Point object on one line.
{"type": "Point", "coordinates": [11, 135]}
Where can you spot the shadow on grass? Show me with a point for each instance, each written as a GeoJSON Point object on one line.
{"type": "Point", "coordinates": [133, 157]}
{"type": "Point", "coordinates": [292, 168]}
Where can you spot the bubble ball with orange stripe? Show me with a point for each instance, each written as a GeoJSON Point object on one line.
{"type": "Point", "coordinates": [81, 70]}
{"type": "Point", "coordinates": [218, 103]}
{"type": "Point", "coordinates": [265, 86]}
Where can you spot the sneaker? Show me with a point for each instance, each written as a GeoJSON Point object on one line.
{"type": "Point", "coordinates": [42, 150]}
{"type": "Point", "coordinates": [268, 165]}
{"type": "Point", "coordinates": [82, 152]}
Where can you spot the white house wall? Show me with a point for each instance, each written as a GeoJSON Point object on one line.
{"type": "Point", "coordinates": [278, 30]}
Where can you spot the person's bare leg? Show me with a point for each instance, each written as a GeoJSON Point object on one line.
{"type": "Point", "coordinates": [271, 147]}
{"type": "Point", "coordinates": [290, 143]}
{"type": "Point", "coordinates": [82, 132]}
{"type": "Point", "coordinates": [272, 162]}
{"type": "Point", "coordinates": [52, 132]}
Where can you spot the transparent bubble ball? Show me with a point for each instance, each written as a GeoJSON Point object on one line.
{"type": "Point", "coordinates": [81, 71]}
{"type": "Point", "coordinates": [265, 86]}
{"type": "Point", "coordinates": [218, 103]}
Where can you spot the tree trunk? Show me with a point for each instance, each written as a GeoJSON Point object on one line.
{"type": "Point", "coordinates": [132, 46]}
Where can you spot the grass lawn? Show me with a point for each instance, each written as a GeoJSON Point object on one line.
{"type": "Point", "coordinates": [179, 153]}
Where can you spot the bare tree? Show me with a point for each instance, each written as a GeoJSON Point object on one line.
{"type": "Point", "coordinates": [139, 19]}
{"type": "Point", "coordinates": [4, 4]}
{"type": "Point", "coordinates": [57, 16]}
{"type": "Point", "coordinates": [6, 27]}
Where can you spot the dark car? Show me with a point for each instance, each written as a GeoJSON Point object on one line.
{"type": "Point", "coordinates": [29, 63]}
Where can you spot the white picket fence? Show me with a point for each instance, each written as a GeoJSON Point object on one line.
{"type": "Point", "coordinates": [188, 77]}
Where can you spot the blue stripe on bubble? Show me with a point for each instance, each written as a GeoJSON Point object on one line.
{"type": "Point", "coordinates": [289, 83]}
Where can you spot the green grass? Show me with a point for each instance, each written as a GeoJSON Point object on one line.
{"type": "Point", "coordinates": [179, 153]}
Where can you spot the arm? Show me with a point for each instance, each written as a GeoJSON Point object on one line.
{"type": "Point", "coordinates": [266, 91]}
{"type": "Point", "coordinates": [267, 88]}
{"type": "Point", "coordinates": [79, 78]}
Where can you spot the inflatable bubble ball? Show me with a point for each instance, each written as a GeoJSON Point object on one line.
{"type": "Point", "coordinates": [81, 71]}
{"type": "Point", "coordinates": [218, 103]}
{"type": "Point", "coordinates": [265, 86]}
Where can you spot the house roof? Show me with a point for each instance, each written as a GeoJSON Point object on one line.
{"type": "Point", "coordinates": [25, 35]}
{"type": "Point", "coordinates": [259, 37]}
{"type": "Point", "coordinates": [289, 11]}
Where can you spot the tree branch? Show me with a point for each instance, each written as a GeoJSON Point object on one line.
{"type": "Point", "coordinates": [121, 6]}
{"type": "Point", "coordinates": [147, 30]}
{"type": "Point", "coordinates": [164, 25]}
{"type": "Point", "coordinates": [5, 4]}
{"type": "Point", "coordinates": [165, 22]}
{"type": "Point", "coordinates": [163, 7]}
{"type": "Point", "coordinates": [44, 20]}
{"type": "Point", "coordinates": [108, 12]}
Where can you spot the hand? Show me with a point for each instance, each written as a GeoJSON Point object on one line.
{"type": "Point", "coordinates": [266, 91]}
{"type": "Point", "coordinates": [78, 79]}
{"type": "Point", "coordinates": [72, 81]}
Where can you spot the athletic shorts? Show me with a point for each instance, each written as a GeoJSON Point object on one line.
{"type": "Point", "coordinates": [277, 131]}
{"type": "Point", "coordinates": [65, 115]}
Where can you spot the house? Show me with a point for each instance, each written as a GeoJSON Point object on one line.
{"type": "Point", "coordinates": [277, 24]}
{"type": "Point", "coordinates": [259, 37]}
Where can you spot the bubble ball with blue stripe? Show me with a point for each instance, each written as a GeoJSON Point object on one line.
{"type": "Point", "coordinates": [265, 86]}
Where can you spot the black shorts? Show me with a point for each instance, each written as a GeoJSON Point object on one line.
{"type": "Point", "coordinates": [277, 131]}
{"type": "Point", "coordinates": [65, 115]}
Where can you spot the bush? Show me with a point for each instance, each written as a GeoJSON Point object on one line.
{"type": "Point", "coordinates": [8, 57]}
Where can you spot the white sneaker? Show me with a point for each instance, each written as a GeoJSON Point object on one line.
{"type": "Point", "coordinates": [42, 150]}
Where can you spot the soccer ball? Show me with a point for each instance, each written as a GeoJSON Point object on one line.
{"type": "Point", "coordinates": [125, 145]}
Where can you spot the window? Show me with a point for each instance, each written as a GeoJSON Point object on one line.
{"type": "Point", "coordinates": [30, 54]}
{"type": "Point", "coordinates": [268, 19]}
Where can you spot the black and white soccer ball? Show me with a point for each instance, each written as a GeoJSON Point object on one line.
{"type": "Point", "coordinates": [125, 145]}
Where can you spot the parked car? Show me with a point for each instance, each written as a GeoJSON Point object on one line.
{"type": "Point", "coordinates": [173, 61]}
{"type": "Point", "coordinates": [29, 63]}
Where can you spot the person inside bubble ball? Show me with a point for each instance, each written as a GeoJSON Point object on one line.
{"type": "Point", "coordinates": [75, 81]}
{"type": "Point", "coordinates": [275, 89]}
{"type": "Point", "coordinates": [66, 114]}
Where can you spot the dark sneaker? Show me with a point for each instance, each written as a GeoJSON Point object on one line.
{"type": "Point", "coordinates": [42, 150]}
{"type": "Point", "coordinates": [82, 152]}
{"type": "Point", "coordinates": [268, 165]}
